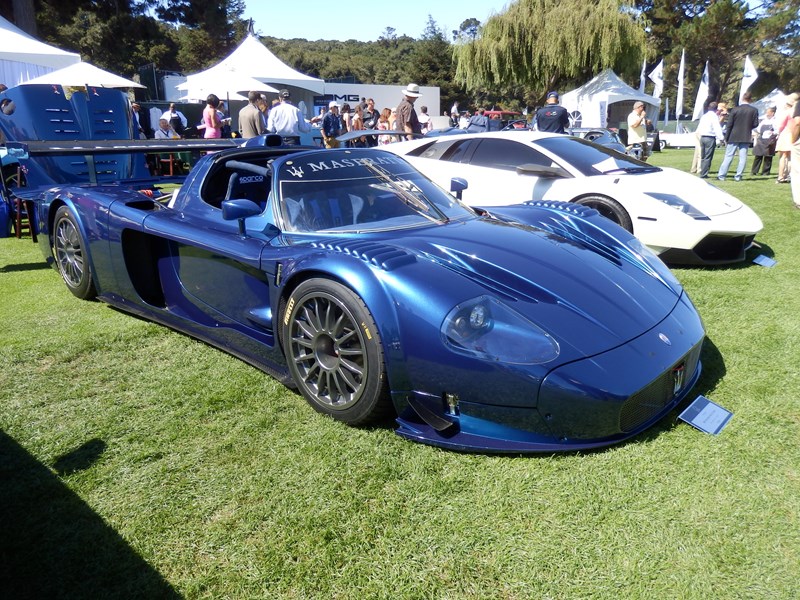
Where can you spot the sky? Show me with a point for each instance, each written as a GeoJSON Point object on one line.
{"type": "Point", "coordinates": [362, 21]}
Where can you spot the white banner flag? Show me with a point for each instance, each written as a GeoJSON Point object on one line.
{"type": "Point", "coordinates": [641, 76]}
{"type": "Point", "coordinates": [702, 95]}
{"type": "Point", "coordinates": [657, 77]}
{"type": "Point", "coordinates": [679, 99]}
{"type": "Point", "coordinates": [748, 77]}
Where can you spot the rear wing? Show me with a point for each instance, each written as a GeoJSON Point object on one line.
{"type": "Point", "coordinates": [47, 163]}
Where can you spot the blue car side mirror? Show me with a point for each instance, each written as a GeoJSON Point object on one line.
{"type": "Point", "coordinates": [239, 210]}
{"type": "Point", "coordinates": [458, 185]}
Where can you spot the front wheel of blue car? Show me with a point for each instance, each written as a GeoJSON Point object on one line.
{"type": "Point", "coordinates": [69, 251]}
{"type": "Point", "coordinates": [334, 352]}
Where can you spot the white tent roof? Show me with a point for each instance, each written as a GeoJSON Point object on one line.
{"type": "Point", "coordinates": [252, 58]}
{"type": "Point", "coordinates": [225, 83]}
{"type": "Point", "coordinates": [775, 98]}
{"type": "Point", "coordinates": [604, 89]}
{"type": "Point", "coordinates": [23, 57]}
{"type": "Point", "coordinates": [83, 73]}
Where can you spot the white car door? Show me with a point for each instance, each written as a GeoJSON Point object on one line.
{"type": "Point", "coordinates": [488, 164]}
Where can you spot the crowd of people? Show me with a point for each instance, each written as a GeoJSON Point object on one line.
{"type": "Point", "coordinates": [739, 128]}
{"type": "Point", "coordinates": [280, 116]}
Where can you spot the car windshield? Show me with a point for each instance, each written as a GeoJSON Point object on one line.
{"type": "Point", "coordinates": [593, 159]}
{"type": "Point", "coordinates": [360, 190]}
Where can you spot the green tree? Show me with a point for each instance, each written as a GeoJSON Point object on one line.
{"type": "Point", "coordinates": [468, 30]}
{"type": "Point", "coordinates": [723, 35]}
{"type": "Point", "coordinates": [388, 37]}
{"type": "Point", "coordinates": [431, 63]}
{"type": "Point", "coordinates": [542, 44]}
{"type": "Point", "coordinates": [22, 13]}
{"type": "Point", "coordinates": [208, 30]}
{"type": "Point", "coordinates": [779, 30]}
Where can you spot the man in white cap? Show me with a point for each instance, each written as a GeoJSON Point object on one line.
{"type": "Point", "coordinates": [331, 125]}
{"type": "Point", "coordinates": [287, 121]}
{"type": "Point", "coordinates": [407, 119]}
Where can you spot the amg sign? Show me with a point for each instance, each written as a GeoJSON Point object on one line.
{"type": "Point", "coordinates": [385, 96]}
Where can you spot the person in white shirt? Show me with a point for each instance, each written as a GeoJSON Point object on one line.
{"type": "Point", "coordinates": [710, 133]}
{"type": "Point", "coordinates": [764, 139]}
{"type": "Point", "coordinates": [165, 131]}
{"type": "Point", "coordinates": [287, 121]}
{"type": "Point", "coordinates": [637, 129]}
{"type": "Point", "coordinates": [175, 118]}
{"type": "Point", "coordinates": [425, 119]}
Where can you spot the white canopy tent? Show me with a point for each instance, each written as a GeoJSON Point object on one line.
{"type": "Point", "coordinates": [606, 101]}
{"type": "Point", "coordinates": [81, 74]}
{"type": "Point", "coordinates": [252, 59]}
{"type": "Point", "coordinates": [23, 57]}
{"type": "Point", "coordinates": [226, 83]}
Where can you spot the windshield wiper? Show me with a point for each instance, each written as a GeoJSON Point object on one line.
{"type": "Point", "coordinates": [408, 192]}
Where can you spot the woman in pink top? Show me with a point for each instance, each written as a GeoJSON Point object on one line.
{"type": "Point", "coordinates": [211, 120]}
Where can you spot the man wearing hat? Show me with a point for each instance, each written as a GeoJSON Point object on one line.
{"type": "Point", "coordinates": [287, 121]}
{"type": "Point", "coordinates": [552, 117]}
{"type": "Point", "coordinates": [637, 129]}
{"type": "Point", "coordinates": [407, 119]}
{"type": "Point", "coordinates": [331, 126]}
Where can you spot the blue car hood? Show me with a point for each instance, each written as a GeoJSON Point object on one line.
{"type": "Point", "coordinates": [592, 294]}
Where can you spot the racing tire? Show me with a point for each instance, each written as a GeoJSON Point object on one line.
{"type": "Point", "coordinates": [609, 208]}
{"type": "Point", "coordinates": [72, 259]}
{"type": "Point", "coordinates": [334, 352]}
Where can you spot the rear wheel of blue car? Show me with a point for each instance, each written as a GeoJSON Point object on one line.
{"type": "Point", "coordinates": [609, 208]}
{"type": "Point", "coordinates": [334, 352]}
{"type": "Point", "coordinates": [69, 251]}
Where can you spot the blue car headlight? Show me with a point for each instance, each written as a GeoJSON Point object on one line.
{"type": "Point", "coordinates": [488, 329]}
{"type": "Point", "coordinates": [680, 204]}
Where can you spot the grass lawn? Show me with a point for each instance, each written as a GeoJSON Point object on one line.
{"type": "Point", "coordinates": [137, 462]}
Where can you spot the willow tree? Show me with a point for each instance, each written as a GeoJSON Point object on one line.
{"type": "Point", "coordinates": [538, 44]}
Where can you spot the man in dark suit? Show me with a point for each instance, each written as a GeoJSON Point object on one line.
{"type": "Point", "coordinates": [741, 122]}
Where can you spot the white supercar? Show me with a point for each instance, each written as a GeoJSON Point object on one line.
{"type": "Point", "coordinates": [683, 218]}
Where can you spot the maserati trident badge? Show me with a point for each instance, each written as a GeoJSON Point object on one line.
{"type": "Point", "coordinates": [678, 376]}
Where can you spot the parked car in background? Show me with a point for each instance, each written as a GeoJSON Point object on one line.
{"type": "Point", "coordinates": [598, 135]}
{"type": "Point", "coordinates": [682, 218]}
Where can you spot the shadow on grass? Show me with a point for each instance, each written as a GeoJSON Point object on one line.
{"type": "Point", "coordinates": [79, 459]}
{"type": "Point", "coordinates": [35, 266]}
{"type": "Point", "coordinates": [52, 545]}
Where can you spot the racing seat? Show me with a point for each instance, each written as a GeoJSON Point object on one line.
{"type": "Point", "coordinates": [249, 186]}
{"type": "Point", "coordinates": [322, 211]}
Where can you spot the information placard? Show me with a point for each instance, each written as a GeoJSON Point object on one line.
{"type": "Point", "coordinates": [765, 261]}
{"type": "Point", "coordinates": [705, 415]}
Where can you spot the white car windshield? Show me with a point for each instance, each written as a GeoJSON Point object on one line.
{"type": "Point", "coordinates": [593, 159]}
